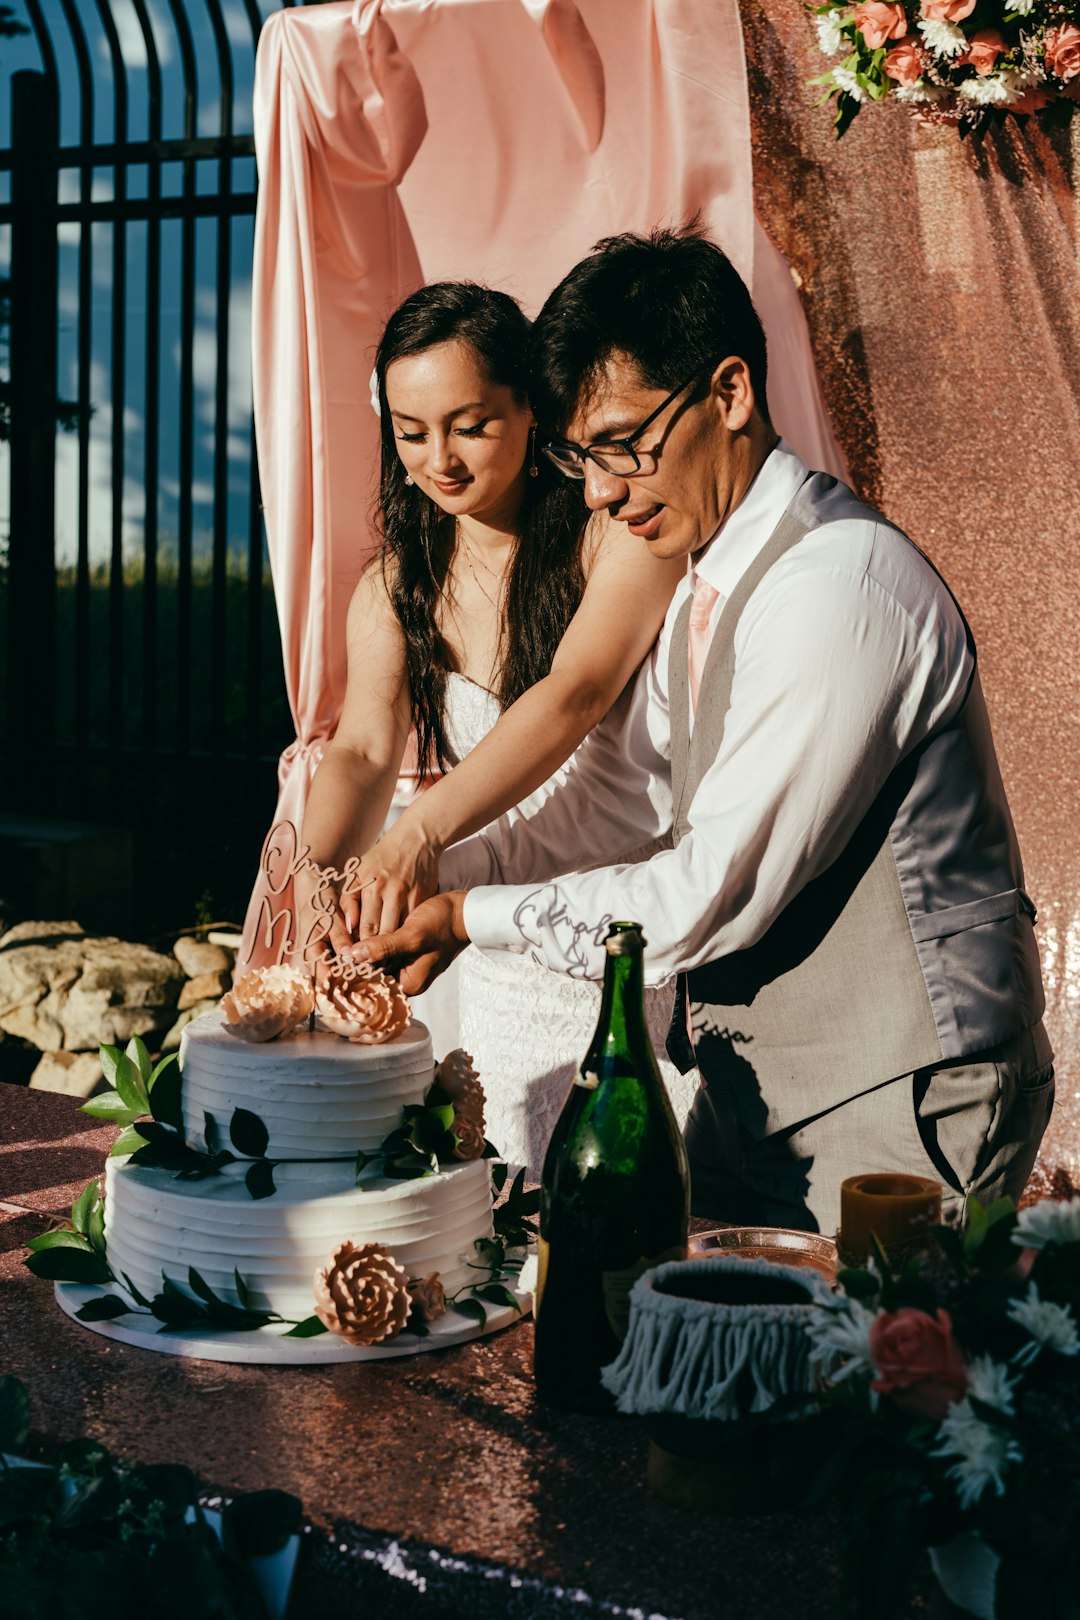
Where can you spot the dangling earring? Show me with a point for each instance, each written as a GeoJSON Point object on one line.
{"type": "Point", "coordinates": [534, 471]}
{"type": "Point", "coordinates": [409, 480]}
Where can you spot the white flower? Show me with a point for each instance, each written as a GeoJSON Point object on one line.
{"type": "Point", "coordinates": [840, 1335]}
{"type": "Point", "coordinates": [1048, 1222]}
{"type": "Point", "coordinates": [943, 38]}
{"type": "Point", "coordinates": [373, 384]}
{"type": "Point", "coordinates": [526, 1279]}
{"type": "Point", "coordinates": [1016, 82]}
{"type": "Point", "coordinates": [920, 91]}
{"type": "Point", "coordinates": [1021, 7]}
{"type": "Point", "coordinates": [989, 1382]}
{"type": "Point", "coordinates": [1051, 1326]}
{"type": "Point", "coordinates": [845, 80]}
{"type": "Point", "coordinates": [991, 91]}
{"type": "Point", "coordinates": [830, 39]}
{"type": "Point", "coordinates": [983, 1452]}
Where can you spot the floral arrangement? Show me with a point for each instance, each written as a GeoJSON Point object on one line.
{"type": "Point", "coordinates": [964, 62]}
{"type": "Point", "coordinates": [953, 1403]}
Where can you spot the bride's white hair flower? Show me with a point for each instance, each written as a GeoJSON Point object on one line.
{"type": "Point", "coordinates": [983, 1452]}
{"type": "Point", "coordinates": [373, 384]}
{"type": "Point", "coordinates": [1048, 1222]}
{"type": "Point", "coordinates": [1051, 1326]}
{"type": "Point", "coordinates": [943, 38]}
{"type": "Point", "coordinates": [830, 39]}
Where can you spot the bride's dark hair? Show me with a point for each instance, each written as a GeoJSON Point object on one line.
{"type": "Point", "coordinates": [545, 579]}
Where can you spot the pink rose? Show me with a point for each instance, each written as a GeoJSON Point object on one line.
{"type": "Point", "coordinates": [984, 48]}
{"type": "Point", "coordinates": [918, 1362]}
{"type": "Point", "coordinates": [1032, 101]}
{"type": "Point", "coordinates": [904, 62]}
{"type": "Point", "coordinates": [880, 20]}
{"type": "Point", "coordinates": [953, 11]}
{"type": "Point", "coordinates": [1063, 51]}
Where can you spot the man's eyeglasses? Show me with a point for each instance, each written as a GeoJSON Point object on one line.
{"type": "Point", "coordinates": [616, 456]}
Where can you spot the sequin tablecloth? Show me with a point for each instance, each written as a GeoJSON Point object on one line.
{"type": "Point", "coordinates": [432, 1487]}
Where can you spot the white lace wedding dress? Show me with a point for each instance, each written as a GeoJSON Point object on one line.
{"type": "Point", "coordinates": [526, 1027]}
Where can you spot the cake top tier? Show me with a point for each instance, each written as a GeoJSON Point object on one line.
{"type": "Point", "coordinates": [318, 1096]}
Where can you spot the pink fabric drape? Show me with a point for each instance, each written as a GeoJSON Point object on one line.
{"type": "Point", "coordinates": [404, 141]}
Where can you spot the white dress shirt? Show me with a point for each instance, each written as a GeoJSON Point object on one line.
{"type": "Point", "coordinates": [848, 654]}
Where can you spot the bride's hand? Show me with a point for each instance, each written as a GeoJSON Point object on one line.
{"type": "Point", "coordinates": [321, 929]}
{"type": "Point", "coordinates": [394, 877]}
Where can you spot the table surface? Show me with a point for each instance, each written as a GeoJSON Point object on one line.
{"type": "Point", "coordinates": [432, 1485]}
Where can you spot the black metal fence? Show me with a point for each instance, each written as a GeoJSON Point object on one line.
{"type": "Point", "coordinates": [142, 681]}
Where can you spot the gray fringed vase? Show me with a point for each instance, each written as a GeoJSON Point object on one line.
{"type": "Point", "coordinates": [710, 1343]}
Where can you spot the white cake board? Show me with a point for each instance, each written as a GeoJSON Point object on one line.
{"type": "Point", "coordinates": [268, 1346]}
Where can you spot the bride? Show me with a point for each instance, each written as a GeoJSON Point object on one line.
{"type": "Point", "coordinates": [498, 624]}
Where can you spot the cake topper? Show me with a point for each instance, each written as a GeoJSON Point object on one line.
{"type": "Point", "coordinates": [283, 859]}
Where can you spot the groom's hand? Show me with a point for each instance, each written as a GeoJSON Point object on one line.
{"type": "Point", "coordinates": [424, 945]}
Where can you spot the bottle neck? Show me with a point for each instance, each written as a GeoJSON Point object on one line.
{"type": "Point", "coordinates": [621, 1028]}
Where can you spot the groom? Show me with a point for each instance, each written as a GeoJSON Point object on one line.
{"type": "Point", "coordinates": [843, 908]}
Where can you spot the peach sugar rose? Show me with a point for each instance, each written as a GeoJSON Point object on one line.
{"type": "Point", "coordinates": [953, 11]}
{"type": "Point", "coordinates": [268, 1001]}
{"type": "Point", "coordinates": [359, 1002]}
{"type": "Point", "coordinates": [471, 1141]}
{"type": "Point", "coordinates": [984, 48]}
{"type": "Point", "coordinates": [878, 21]}
{"type": "Point", "coordinates": [362, 1294]}
{"type": "Point", "coordinates": [918, 1362]}
{"type": "Point", "coordinates": [904, 62]}
{"type": "Point", "coordinates": [1063, 51]}
{"type": "Point", "coordinates": [429, 1297]}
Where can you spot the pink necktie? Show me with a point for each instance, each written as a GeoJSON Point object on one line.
{"type": "Point", "coordinates": [698, 633]}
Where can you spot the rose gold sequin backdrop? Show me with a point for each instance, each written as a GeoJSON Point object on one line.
{"type": "Point", "coordinates": [941, 282]}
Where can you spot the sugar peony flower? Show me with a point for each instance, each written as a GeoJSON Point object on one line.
{"type": "Point", "coordinates": [951, 11]}
{"type": "Point", "coordinates": [984, 48]}
{"type": "Point", "coordinates": [457, 1075]}
{"type": "Point", "coordinates": [268, 1001]}
{"type": "Point", "coordinates": [878, 21]}
{"type": "Point", "coordinates": [943, 38]}
{"type": "Point", "coordinates": [362, 1294]}
{"type": "Point", "coordinates": [918, 1363]}
{"type": "Point", "coordinates": [1048, 1222]}
{"type": "Point", "coordinates": [359, 1002]}
{"type": "Point", "coordinates": [1063, 51]}
{"type": "Point", "coordinates": [904, 62]}
{"type": "Point", "coordinates": [428, 1297]}
{"type": "Point", "coordinates": [471, 1141]}
{"type": "Point", "coordinates": [1051, 1326]}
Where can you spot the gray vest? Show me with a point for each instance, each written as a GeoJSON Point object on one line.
{"type": "Point", "coordinates": [915, 947]}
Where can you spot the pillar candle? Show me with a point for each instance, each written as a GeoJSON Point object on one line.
{"type": "Point", "coordinates": [896, 1208]}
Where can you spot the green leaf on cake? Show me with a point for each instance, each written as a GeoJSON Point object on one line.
{"type": "Point", "coordinates": [140, 1299]}
{"type": "Point", "coordinates": [130, 1086]}
{"type": "Point", "coordinates": [63, 1239]}
{"type": "Point", "coordinates": [471, 1308]}
{"type": "Point", "coordinates": [499, 1173]}
{"type": "Point", "coordinates": [248, 1134]}
{"type": "Point", "coordinates": [129, 1141]}
{"type": "Point", "coordinates": [64, 1264]}
{"type": "Point", "coordinates": [137, 1054]}
{"type": "Point", "coordinates": [258, 1525]}
{"type": "Point", "coordinates": [80, 1209]}
{"type": "Point", "coordinates": [174, 1308]}
{"type": "Point", "coordinates": [309, 1328]}
{"type": "Point", "coordinates": [111, 1107]}
{"type": "Point", "coordinates": [211, 1134]}
{"type": "Point", "coordinates": [95, 1228]}
{"type": "Point", "coordinates": [259, 1180]}
{"type": "Point", "coordinates": [496, 1294]}
{"type": "Point", "coordinates": [103, 1309]}
{"type": "Point", "coordinates": [14, 1413]}
{"type": "Point", "coordinates": [362, 1161]}
{"type": "Point", "coordinates": [164, 1088]}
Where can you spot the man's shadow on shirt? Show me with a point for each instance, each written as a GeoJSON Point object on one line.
{"type": "Point", "coordinates": [739, 1176]}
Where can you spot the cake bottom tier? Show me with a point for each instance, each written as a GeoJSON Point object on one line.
{"type": "Point", "coordinates": [158, 1226]}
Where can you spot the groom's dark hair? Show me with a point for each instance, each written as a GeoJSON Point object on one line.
{"type": "Point", "coordinates": [671, 300]}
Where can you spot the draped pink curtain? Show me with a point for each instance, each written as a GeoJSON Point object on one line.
{"type": "Point", "coordinates": [404, 141]}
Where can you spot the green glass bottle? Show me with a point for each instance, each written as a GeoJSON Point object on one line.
{"type": "Point", "coordinates": [615, 1194]}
